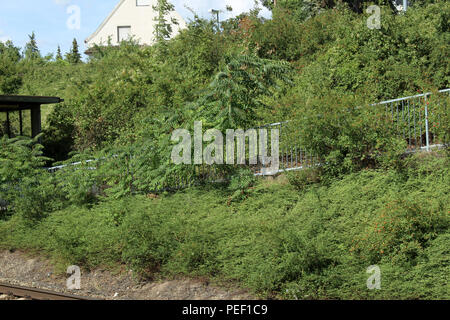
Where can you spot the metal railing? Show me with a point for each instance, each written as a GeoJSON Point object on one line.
{"type": "Point", "coordinates": [412, 117]}
{"type": "Point", "coordinates": [75, 164]}
{"type": "Point", "coordinates": [292, 156]}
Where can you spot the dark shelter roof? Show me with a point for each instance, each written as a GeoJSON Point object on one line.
{"type": "Point", "coordinates": [16, 103]}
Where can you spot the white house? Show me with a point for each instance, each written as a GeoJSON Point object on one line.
{"type": "Point", "coordinates": [132, 18]}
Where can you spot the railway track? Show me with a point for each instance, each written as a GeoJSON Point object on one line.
{"type": "Point", "coordinates": [36, 294]}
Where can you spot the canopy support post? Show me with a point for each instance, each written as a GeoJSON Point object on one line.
{"type": "Point", "coordinates": [8, 125]}
{"type": "Point", "coordinates": [21, 123]}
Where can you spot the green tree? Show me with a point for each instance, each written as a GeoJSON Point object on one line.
{"type": "Point", "coordinates": [31, 48]}
{"type": "Point", "coordinates": [304, 9]}
{"type": "Point", "coordinates": [10, 77]}
{"type": "Point", "coordinates": [59, 56]}
{"type": "Point", "coordinates": [234, 97]}
{"type": "Point", "coordinates": [58, 135]}
{"type": "Point", "coordinates": [163, 28]}
{"type": "Point", "coordinates": [74, 55]}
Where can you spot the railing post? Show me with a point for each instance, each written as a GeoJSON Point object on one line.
{"type": "Point", "coordinates": [427, 130]}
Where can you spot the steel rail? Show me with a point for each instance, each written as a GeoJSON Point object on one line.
{"type": "Point", "coordinates": [36, 294]}
{"type": "Point", "coordinates": [408, 98]}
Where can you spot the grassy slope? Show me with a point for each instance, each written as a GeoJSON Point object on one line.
{"type": "Point", "coordinates": [316, 243]}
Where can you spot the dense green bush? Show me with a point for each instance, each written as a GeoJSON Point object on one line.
{"type": "Point", "coordinates": [31, 191]}
{"type": "Point", "coordinates": [317, 245]}
{"type": "Point", "coordinates": [304, 178]}
{"type": "Point", "coordinates": [21, 171]}
{"type": "Point", "coordinates": [58, 137]}
{"type": "Point", "coordinates": [240, 182]}
{"type": "Point", "coordinates": [346, 135]}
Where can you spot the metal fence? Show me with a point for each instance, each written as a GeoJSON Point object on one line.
{"type": "Point", "coordinates": [75, 164]}
{"type": "Point", "coordinates": [292, 155]}
{"type": "Point", "coordinates": [413, 117]}
{"type": "Point", "coordinates": [416, 120]}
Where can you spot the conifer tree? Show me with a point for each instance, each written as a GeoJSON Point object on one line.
{"type": "Point", "coordinates": [74, 55]}
{"type": "Point", "coordinates": [31, 48]}
{"type": "Point", "coordinates": [58, 54]}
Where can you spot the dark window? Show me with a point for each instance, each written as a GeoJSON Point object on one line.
{"type": "Point", "coordinates": [123, 33]}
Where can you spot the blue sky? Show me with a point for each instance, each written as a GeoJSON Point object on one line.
{"type": "Point", "coordinates": [48, 18]}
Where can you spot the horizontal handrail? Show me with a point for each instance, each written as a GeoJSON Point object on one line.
{"type": "Point", "coordinates": [407, 98]}
{"type": "Point", "coordinates": [56, 168]}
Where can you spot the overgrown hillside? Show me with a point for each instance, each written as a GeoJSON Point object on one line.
{"type": "Point", "coordinates": [310, 234]}
{"type": "Point", "coordinates": [315, 241]}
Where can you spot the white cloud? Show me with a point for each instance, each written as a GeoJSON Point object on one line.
{"type": "Point", "coordinates": [240, 6]}
{"type": "Point", "coordinates": [62, 2]}
{"type": "Point", "coordinates": [202, 7]}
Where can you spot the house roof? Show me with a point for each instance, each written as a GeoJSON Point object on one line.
{"type": "Point", "coordinates": [15, 103]}
{"type": "Point", "coordinates": [105, 21]}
